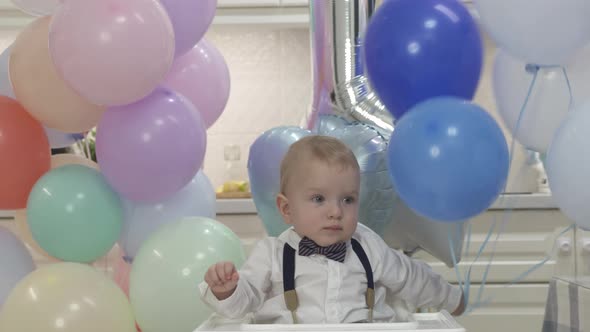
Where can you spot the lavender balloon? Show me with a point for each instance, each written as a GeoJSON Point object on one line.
{"type": "Point", "coordinates": [266, 154]}
{"type": "Point", "coordinates": [190, 20]}
{"type": "Point", "coordinates": [202, 76]}
{"type": "Point", "coordinates": [15, 262]}
{"type": "Point", "coordinates": [151, 149]}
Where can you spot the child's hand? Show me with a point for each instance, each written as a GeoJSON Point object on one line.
{"type": "Point", "coordinates": [222, 278]}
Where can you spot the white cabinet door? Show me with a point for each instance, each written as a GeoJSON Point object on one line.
{"type": "Point", "coordinates": [528, 237]}
{"type": "Point", "coordinates": [517, 308]}
{"type": "Point", "coordinates": [294, 3]}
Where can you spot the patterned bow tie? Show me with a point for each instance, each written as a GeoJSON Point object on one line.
{"type": "Point", "coordinates": [336, 251]}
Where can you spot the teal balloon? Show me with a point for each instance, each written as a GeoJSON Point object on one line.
{"type": "Point", "coordinates": [167, 270]}
{"type": "Point", "coordinates": [74, 215]}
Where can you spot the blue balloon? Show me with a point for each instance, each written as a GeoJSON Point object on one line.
{"type": "Point", "coordinates": [264, 160]}
{"type": "Point", "coordinates": [448, 159]}
{"type": "Point", "coordinates": [57, 139]}
{"type": "Point", "coordinates": [419, 49]}
{"type": "Point", "coordinates": [16, 262]}
{"type": "Point", "coordinates": [5, 85]}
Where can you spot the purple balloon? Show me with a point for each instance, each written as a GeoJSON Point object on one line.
{"type": "Point", "coordinates": [15, 261]}
{"type": "Point", "coordinates": [202, 76]}
{"type": "Point", "coordinates": [151, 149]}
{"type": "Point", "coordinates": [190, 20]}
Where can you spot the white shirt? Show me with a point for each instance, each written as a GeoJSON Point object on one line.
{"type": "Point", "coordinates": [329, 291]}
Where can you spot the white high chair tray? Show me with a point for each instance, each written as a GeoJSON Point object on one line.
{"type": "Point", "coordinates": [426, 322]}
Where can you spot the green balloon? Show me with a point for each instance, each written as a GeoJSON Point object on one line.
{"type": "Point", "coordinates": [73, 214]}
{"type": "Point", "coordinates": [170, 265]}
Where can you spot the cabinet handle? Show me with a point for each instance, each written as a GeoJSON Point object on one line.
{"type": "Point", "coordinates": [586, 246]}
{"type": "Point", "coordinates": [565, 246]}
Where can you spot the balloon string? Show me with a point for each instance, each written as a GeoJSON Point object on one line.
{"type": "Point", "coordinates": [569, 88]}
{"type": "Point", "coordinates": [535, 71]}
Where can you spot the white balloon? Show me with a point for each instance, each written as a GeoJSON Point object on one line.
{"type": "Point", "coordinates": [543, 32]}
{"type": "Point", "coordinates": [549, 101]}
{"type": "Point", "coordinates": [545, 109]}
{"type": "Point", "coordinates": [568, 161]}
{"type": "Point", "coordinates": [196, 199]}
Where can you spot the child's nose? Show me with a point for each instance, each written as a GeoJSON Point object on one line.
{"type": "Point", "coordinates": [335, 210]}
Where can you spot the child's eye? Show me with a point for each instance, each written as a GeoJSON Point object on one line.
{"type": "Point", "coordinates": [317, 198]}
{"type": "Point", "coordinates": [349, 200]}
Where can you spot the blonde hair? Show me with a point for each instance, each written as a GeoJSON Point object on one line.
{"type": "Point", "coordinates": [321, 148]}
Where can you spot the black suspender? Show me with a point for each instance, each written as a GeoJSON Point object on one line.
{"type": "Point", "coordinates": [289, 278]}
{"type": "Point", "coordinates": [370, 295]}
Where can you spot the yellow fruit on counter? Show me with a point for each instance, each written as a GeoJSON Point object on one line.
{"type": "Point", "coordinates": [235, 186]}
{"type": "Point", "coordinates": [245, 186]}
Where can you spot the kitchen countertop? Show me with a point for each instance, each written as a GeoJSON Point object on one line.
{"type": "Point", "coordinates": [509, 201]}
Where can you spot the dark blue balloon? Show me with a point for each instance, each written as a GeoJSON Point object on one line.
{"type": "Point", "coordinates": [448, 159]}
{"type": "Point", "coordinates": [419, 49]}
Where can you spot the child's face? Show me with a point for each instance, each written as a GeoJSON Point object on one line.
{"type": "Point", "coordinates": [322, 202]}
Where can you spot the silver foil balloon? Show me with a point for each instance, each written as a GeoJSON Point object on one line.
{"type": "Point", "coordinates": [410, 232]}
{"type": "Point", "coordinates": [376, 194]}
{"type": "Point", "coordinates": [339, 84]}
{"type": "Point", "coordinates": [264, 160]}
{"type": "Point", "coordinates": [327, 123]}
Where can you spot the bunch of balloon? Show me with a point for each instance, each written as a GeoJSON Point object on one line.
{"type": "Point", "coordinates": [142, 75]}
{"type": "Point", "coordinates": [541, 78]}
{"type": "Point", "coordinates": [448, 158]}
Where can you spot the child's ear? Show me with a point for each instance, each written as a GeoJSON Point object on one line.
{"type": "Point", "coordinates": [283, 206]}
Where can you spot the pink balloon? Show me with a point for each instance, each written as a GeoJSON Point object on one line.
{"type": "Point", "coordinates": [112, 52]}
{"type": "Point", "coordinates": [202, 76]}
{"type": "Point", "coordinates": [190, 19]}
{"type": "Point", "coordinates": [151, 149]}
